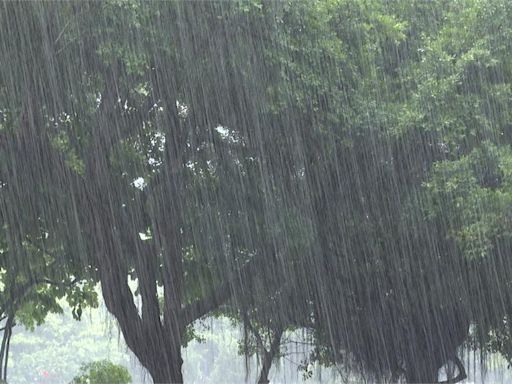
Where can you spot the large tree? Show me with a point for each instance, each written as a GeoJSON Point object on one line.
{"type": "Point", "coordinates": [390, 103]}
{"type": "Point", "coordinates": [110, 143]}
{"type": "Point", "coordinates": [332, 164]}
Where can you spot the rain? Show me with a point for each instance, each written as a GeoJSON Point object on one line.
{"type": "Point", "coordinates": [255, 191]}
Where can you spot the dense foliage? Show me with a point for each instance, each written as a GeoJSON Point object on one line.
{"type": "Point", "coordinates": [103, 371]}
{"type": "Point", "coordinates": [339, 165]}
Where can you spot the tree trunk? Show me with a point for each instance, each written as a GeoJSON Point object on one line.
{"type": "Point", "coordinates": [156, 346]}
{"type": "Point", "coordinates": [4, 352]}
{"type": "Point", "coordinates": [265, 368]}
{"type": "Point", "coordinates": [421, 372]}
{"type": "Point", "coordinates": [165, 370]}
{"type": "Point", "coordinates": [268, 356]}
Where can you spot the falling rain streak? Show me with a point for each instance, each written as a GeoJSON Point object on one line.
{"type": "Point", "coordinates": [336, 172]}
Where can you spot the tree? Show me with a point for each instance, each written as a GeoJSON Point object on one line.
{"type": "Point", "coordinates": [410, 95]}
{"type": "Point", "coordinates": [104, 371]}
{"type": "Point", "coordinates": [334, 164]}
{"type": "Point", "coordinates": [78, 138]}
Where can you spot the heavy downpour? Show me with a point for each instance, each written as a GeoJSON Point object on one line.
{"type": "Point", "coordinates": [256, 191]}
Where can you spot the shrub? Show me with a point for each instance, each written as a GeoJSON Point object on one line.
{"type": "Point", "coordinates": [102, 372]}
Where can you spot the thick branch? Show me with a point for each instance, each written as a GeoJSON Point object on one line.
{"type": "Point", "coordinates": [220, 295]}
{"type": "Point", "coordinates": [201, 307]}
{"type": "Point", "coordinates": [267, 355]}
{"type": "Point", "coordinates": [119, 301]}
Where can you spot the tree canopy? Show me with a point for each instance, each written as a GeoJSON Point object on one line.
{"type": "Point", "coordinates": [339, 165]}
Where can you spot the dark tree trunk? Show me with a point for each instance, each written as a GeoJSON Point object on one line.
{"type": "Point", "coordinates": [165, 370]}
{"type": "Point", "coordinates": [4, 352]}
{"type": "Point", "coordinates": [265, 368]}
{"type": "Point", "coordinates": [167, 375]}
{"type": "Point", "coordinates": [268, 356]}
{"type": "Point", "coordinates": [157, 347]}
{"type": "Point", "coordinates": [423, 371]}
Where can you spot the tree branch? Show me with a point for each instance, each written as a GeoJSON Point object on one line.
{"type": "Point", "coordinates": [220, 295]}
